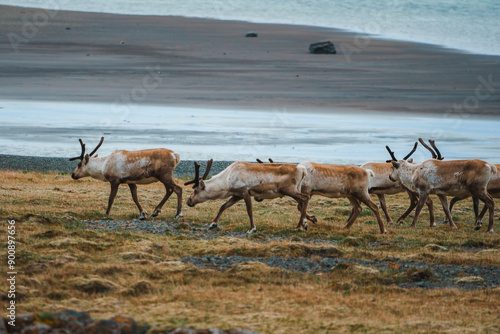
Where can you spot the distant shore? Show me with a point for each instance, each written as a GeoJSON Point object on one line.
{"type": "Point", "coordinates": [189, 62]}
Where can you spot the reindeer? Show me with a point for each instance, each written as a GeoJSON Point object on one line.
{"type": "Point", "coordinates": [493, 190]}
{"type": "Point", "coordinates": [336, 181]}
{"type": "Point", "coordinates": [381, 185]}
{"type": "Point", "coordinates": [446, 178]}
{"type": "Point", "coordinates": [132, 168]}
{"type": "Point", "coordinates": [242, 180]}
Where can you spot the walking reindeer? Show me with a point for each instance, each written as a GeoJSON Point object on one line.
{"type": "Point", "coordinates": [446, 178]}
{"type": "Point", "coordinates": [132, 168]}
{"type": "Point", "coordinates": [243, 180]}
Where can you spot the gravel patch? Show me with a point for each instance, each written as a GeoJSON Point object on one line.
{"type": "Point", "coordinates": [443, 276]}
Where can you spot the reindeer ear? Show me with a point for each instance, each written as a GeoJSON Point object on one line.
{"type": "Point", "coordinates": [395, 164]}
{"type": "Point", "coordinates": [202, 185]}
{"type": "Point", "coordinates": [87, 157]}
{"type": "Point", "coordinates": [410, 160]}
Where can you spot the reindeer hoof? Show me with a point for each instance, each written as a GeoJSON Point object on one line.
{"type": "Point", "coordinates": [383, 232]}
{"type": "Point", "coordinates": [252, 230]}
{"type": "Point", "coordinates": [314, 220]}
{"type": "Point", "coordinates": [490, 231]}
{"type": "Point", "coordinates": [305, 227]}
{"type": "Point", "coordinates": [212, 226]}
{"type": "Point", "coordinates": [143, 216]}
{"type": "Point", "coordinates": [154, 214]}
{"type": "Point", "coordinates": [477, 227]}
{"type": "Point", "coordinates": [179, 216]}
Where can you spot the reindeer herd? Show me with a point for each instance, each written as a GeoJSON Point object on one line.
{"type": "Point", "coordinates": [242, 181]}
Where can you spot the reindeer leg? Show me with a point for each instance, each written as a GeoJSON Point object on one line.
{"type": "Point", "coordinates": [112, 195]}
{"type": "Point", "coordinates": [311, 218]}
{"type": "Point", "coordinates": [456, 199]}
{"type": "Point", "coordinates": [365, 198]}
{"type": "Point", "coordinates": [422, 199]}
{"type": "Point", "coordinates": [383, 205]}
{"type": "Point", "coordinates": [168, 193]}
{"type": "Point", "coordinates": [133, 191]}
{"type": "Point", "coordinates": [170, 186]}
{"type": "Point", "coordinates": [302, 201]}
{"type": "Point", "coordinates": [481, 215]}
{"type": "Point", "coordinates": [413, 204]}
{"type": "Point", "coordinates": [430, 206]}
{"type": "Point", "coordinates": [248, 203]}
{"type": "Point", "coordinates": [475, 204]}
{"type": "Point", "coordinates": [490, 204]}
{"type": "Point", "coordinates": [224, 206]}
{"type": "Point", "coordinates": [356, 210]}
{"type": "Point", "coordinates": [444, 203]}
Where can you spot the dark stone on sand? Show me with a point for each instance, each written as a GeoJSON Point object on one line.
{"type": "Point", "coordinates": [251, 34]}
{"type": "Point", "coordinates": [322, 48]}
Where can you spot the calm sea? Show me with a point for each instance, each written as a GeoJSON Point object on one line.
{"type": "Point", "coordinates": [469, 25]}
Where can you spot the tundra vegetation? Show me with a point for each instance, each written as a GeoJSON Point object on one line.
{"type": "Point", "coordinates": [62, 264]}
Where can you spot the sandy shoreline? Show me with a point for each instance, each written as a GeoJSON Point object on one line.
{"type": "Point", "coordinates": [117, 59]}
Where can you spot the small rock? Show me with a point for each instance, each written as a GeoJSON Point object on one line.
{"type": "Point", "coordinates": [67, 28]}
{"type": "Point", "coordinates": [126, 325]}
{"type": "Point", "coordinates": [36, 329]}
{"type": "Point", "coordinates": [322, 48]}
{"type": "Point", "coordinates": [251, 34]}
{"type": "Point", "coordinates": [122, 42]}
{"type": "Point", "coordinates": [103, 327]}
{"type": "Point", "coordinates": [139, 288]}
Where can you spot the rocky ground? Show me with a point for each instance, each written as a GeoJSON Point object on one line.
{"type": "Point", "coordinates": [74, 322]}
{"type": "Point", "coordinates": [422, 274]}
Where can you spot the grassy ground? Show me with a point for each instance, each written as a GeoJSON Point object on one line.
{"type": "Point", "coordinates": [138, 275]}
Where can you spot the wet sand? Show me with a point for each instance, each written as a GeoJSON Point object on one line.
{"type": "Point", "coordinates": [188, 62]}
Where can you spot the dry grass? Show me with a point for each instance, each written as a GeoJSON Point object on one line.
{"type": "Point", "coordinates": [137, 275]}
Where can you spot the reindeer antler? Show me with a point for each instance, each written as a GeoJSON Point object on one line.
{"type": "Point", "coordinates": [391, 153]}
{"type": "Point", "coordinates": [412, 151]}
{"type": "Point", "coordinates": [259, 161]}
{"type": "Point", "coordinates": [433, 144]}
{"type": "Point", "coordinates": [82, 154]}
{"type": "Point", "coordinates": [196, 179]}
{"type": "Point", "coordinates": [434, 156]}
{"type": "Point", "coordinates": [97, 147]}
{"type": "Point", "coordinates": [271, 160]}
{"type": "Point", "coordinates": [209, 166]}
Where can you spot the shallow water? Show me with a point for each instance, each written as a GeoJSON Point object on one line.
{"type": "Point", "coordinates": [51, 129]}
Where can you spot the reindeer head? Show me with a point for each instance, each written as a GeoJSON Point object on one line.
{"type": "Point", "coordinates": [200, 193]}
{"type": "Point", "coordinates": [81, 170]}
{"type": "Point", "coordinates": [398, 165]}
